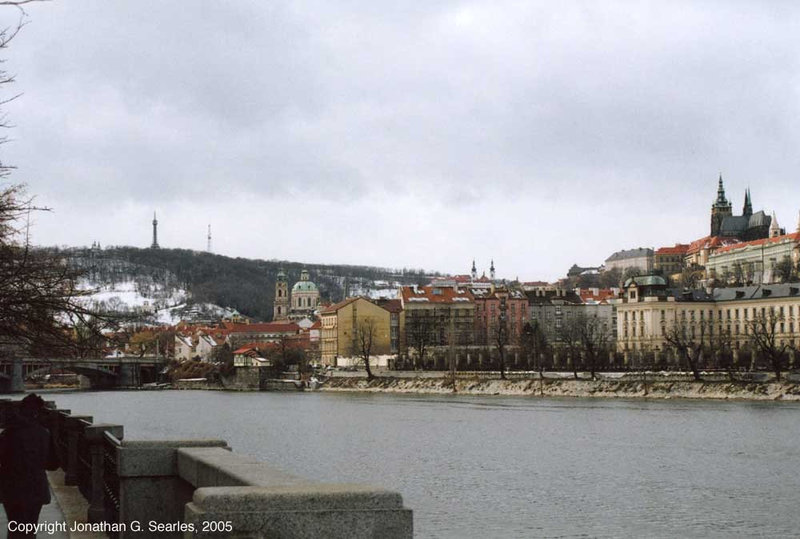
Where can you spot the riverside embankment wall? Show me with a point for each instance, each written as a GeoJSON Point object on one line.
{"type": "Point", "coordinates": [665, 389]}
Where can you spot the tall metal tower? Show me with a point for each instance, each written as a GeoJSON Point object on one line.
{"type": "Point", "coordinates": [209, 239]}
{"type": "Point", "coordinates": [155, 232]}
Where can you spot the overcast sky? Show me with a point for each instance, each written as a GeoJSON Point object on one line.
{"type": "Point", "coordinates": [416, 134]}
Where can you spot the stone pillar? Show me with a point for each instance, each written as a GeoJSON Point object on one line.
{"type": "Point", "coordinates": [95, 436]}
{"type": "Point", "coordinates": [74, 428]}
{"type": "Point", "coordinates": [149, 485]}
{"type": "Point", "coordinates": [128, 375]}
{"type": "Point", "coordinates": [17, 379]}
{"type": "Point", "coordinates": [58, 432]}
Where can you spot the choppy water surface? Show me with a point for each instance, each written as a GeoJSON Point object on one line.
{"type": "Point", "coordinates": [505, 466]}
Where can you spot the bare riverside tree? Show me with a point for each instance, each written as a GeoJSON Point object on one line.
{"type": "Point", "coordinates": [421, 332]}
{"type": "Point", "coordinates": [764, 330]}
{"type": "Point", "coordinates": [684, 339]}
{"type": "Point", "coordinates": [365, 334]}
{"type": "Point", "coordinates": [39, 299]}
{"type": "Point", "coordinates": [533, 343]}
{"type": "Point", "coordinates": [594, 337]}
{"type": "Point", "coordinates": [501, 337]}
{"type": "Point", "coordinates": [722, 344]}
{"type": "Point", "coordinates": [570, 337]}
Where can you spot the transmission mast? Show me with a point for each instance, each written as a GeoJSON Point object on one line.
{"type": "Point", "coordinates": [209, 239]}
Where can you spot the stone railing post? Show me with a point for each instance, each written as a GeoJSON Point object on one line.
{"type": "Point", "coordinates": [95, 436]}
{"type": "Point", "coordinates": [238, 496]}
{"type": "Point", "coordinates": [17, 378]}
{"type": "Point", "coordinates": [73, 427]}
{"type": "Point", "coordinates": [150, 488]}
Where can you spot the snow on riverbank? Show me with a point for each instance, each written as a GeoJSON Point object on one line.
{"type": "Point", "coordinates": [787, 391]}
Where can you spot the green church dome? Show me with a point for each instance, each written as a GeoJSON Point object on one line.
{"type": "Point", "coordinates": [304, 286]}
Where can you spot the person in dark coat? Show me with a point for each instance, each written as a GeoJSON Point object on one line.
{"type": "Point", "coordinates": [26, 451]}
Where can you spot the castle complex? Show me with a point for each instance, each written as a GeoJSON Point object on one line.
{"type": "Point", "coordinates": [745, 227]}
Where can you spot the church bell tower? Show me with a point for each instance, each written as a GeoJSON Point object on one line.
{"type": "Point", "coordinates": [280, 309]}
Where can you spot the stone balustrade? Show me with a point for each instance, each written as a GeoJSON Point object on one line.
{"type": "Point", "coordinates": [200, 488]}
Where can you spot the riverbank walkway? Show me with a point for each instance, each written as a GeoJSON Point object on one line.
{"type": "Point", "coordinates": [66, 506]}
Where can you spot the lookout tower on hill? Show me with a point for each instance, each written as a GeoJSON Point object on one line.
{"type": "Point", "coordinates": [155, 232]}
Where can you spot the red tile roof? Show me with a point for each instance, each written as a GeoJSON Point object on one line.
{"type": "Point", "coordinates": [678, 249]}
{"type": "Point", "coordinates": [536, 283]}
{"type": "Point", "coordinates": [336, 306]}
{"type": "Point", "coordinates": [795, 236]}
{"type": "Point", "coordinates": [391, 305]}
{"type": "Point", "coordinates": [425, 294]}
{"type": "Point", "coordinates": [267, 327]}
{"type": "Point", "coordinates": [709, 242]}
{"type": "Point", "coordinates": [602, 296]}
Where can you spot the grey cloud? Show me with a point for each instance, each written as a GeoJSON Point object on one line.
{"type": "Point", "coordinates": [455, 102]}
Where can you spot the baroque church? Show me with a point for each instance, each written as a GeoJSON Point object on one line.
{"type": "Point", "coordinates": [746, 227]}
{"type": "Point", "coordinates": [300, 303]}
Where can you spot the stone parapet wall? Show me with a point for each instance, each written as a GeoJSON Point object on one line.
{"type": "Point", "coordinates": [199, 488]}
{"type": "Point", "coordinates": [257, 499]}
{"type": "Point", "coordinates": [644, 386]}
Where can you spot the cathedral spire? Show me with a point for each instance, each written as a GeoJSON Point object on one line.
{"type": "Point", "coordinates": [748, 205]}
{"type": "Point", "coordinates": [491, 271]}
{"type": "Point", "coordinates": [720, 209]}
{"type": "Point", "coordinates": [474, 272]}
{"type": "Point", "coordinates": [721, 200]}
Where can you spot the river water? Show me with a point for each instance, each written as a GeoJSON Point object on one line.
{"type": "Point", "coordinates": [505, 466]}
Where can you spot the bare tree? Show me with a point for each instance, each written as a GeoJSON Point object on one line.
{"type": "Point", "coordinates": [422, 330]}
{"type": "Point", "coordinates": [611, 278]}
{"type": "Point", "coordinates": [690, 277]}
{"type": "Point", "coordinates": [501, 337]}
{"type": "Point", "coordinates": [594, 337]}
{"type": "Point", "coordinates": [785, 270]}
{"type": "Point", "coordinates": [39, 298]}
{"type": "Point", "coordinates": [722, 347]}
{"type": "Point", "coordinates": [689, 345]}
{"type": "Point", "coordinates": [533, 344]}
{"type": "Point", "coordinates": [764, 330]}
{"type": "Point", "coordinates": [570, 336]}
{"type": "Point", "coordinates": [363, 341]}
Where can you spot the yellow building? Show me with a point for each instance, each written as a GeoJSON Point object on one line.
{"type": "Point", "coordinates": [649, 311]}
{"type": "Point", "coordinates": [346, 324]}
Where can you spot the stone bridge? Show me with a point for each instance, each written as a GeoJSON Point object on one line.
{"type": "Point", "coordinates": [126, 371]}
